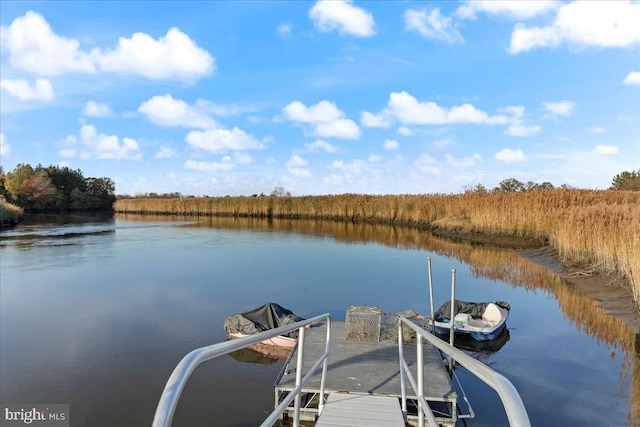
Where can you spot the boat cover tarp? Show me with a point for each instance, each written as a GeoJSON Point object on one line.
{"type": "Point", "coordinates": [474, 309]}
{"type": "Point", "coordinates": [263, 318]}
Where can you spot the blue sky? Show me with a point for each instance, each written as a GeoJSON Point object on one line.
{"type": "Point", "coordinates": [328, 97]}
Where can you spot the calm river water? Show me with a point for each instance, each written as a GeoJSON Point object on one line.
{"type": "Point", "coordinates": [96, 311]}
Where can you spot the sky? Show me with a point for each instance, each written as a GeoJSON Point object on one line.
{"type": "Point", "coordinates": [329, 97]}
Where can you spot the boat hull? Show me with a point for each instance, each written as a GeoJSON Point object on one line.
{"type": "Point", "coordinates": [279, 341]}
{"type": "Point", "coordinates": [482, 335]}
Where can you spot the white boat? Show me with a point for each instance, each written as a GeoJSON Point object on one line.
{"type": "Point", "coordinates": [482, 321]}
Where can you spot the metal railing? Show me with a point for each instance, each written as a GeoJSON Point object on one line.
{"type": "Point", "coordinates": [516, 412]}
{"type": "Point", "coordinates": [173, 389]}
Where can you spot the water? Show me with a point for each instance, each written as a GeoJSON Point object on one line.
{"type": "Point", "coordinates": [97, 311]}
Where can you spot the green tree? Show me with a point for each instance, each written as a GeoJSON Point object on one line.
{"type": "Point", "coordinates": [14, 179]}
{"type": "Point", "coordinates": [626, 181]}
{"type": "Point", "coordinates": [100, 193]}
{"type": "Point", "coordinates": [510, 185]}
{"type": "Point", "coordinates": [66, 181]}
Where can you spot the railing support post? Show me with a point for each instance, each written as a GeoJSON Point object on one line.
{"type": "Point", "coordinates": [325, 366]}
{"type": "Point", "coordinates": [403, 386]}
{"type": "Point", "coordinates": [452, 323]}
{"type": "Point", "coordinates": [420, 369]}
{"type": "Point", "coordinates": [433, 325]}
{"type": "Point", "coordinates": [296, 413]}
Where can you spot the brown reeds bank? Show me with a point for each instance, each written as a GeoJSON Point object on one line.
{"type": "Point", "coordinates": [9, 214]}
{"type": "Point", "coordinates": [598, 230]}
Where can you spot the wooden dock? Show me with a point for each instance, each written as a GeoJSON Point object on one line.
{"type": "Point", "coordinates": [367, 368]}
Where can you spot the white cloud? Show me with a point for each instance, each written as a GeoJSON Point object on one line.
{"type": "Point", "coordinates": [327, 119]}
{"type": "Point", "coordinates": [341, 15]}
{"type": "Point", "coordinates": [220, 140]}
{"type": "Point", "coordinates": [295, 165]}
{"type": "Point", "coordinates": [466, 162]}
{"type": "Point", "coordinates": [596, 130]}
{"type": "Point", "coordinates": [606, 149]}
{"type": "Point", "coordinates": [168, 111]}
{"type": "Point", "coordinates": [32, 46]}
{"type": "Point", "coordinates": [426, 164]}
{"type": "Point", "coordinates": [391, 144]}
{"type": "Point", "coordinates": [320, 145]}
{"type": "Point", "coordinates": [633, 78]}
{"type": "Point", "coordinates": [582, 24]}
{"type": "Point", "coordinates": [225, 165]}
{"type": "Point", "coordinates": [522, 130]}
{"type": "Point", "coordinates": [21, 89]}
{"type": "Point", "coordinates": [165, 153]}
{"type": "Point", "coordinates": [5, 148]}
{"type": "Point", "coordinates": [174, 56]}
{"type": "Point", "coordinates": [510, 156]}
{"type": "Point", "coordinates": [559, 108]}
{"type": "Point", "coordinates": [96, 109]}
{"type": "Point", "coordinates": [375, 120]}
{"type": "Point", "coordinates": [100, 146]}
{"type": "Point", "coordinates": [514, 9]}
{"type": "Point", "coordinates": [285, 29]}
{"type": "Point", "coordinates": [409, 111]}
{"type": "Point", "coordinates": [404, 131]}
{"type": "Point", "coordinates": [432, 25]}
{"type": "Point", "coordinates": [374, 158]}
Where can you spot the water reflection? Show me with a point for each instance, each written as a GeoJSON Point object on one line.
{"type": "Point", "coordinates": [484, 261]}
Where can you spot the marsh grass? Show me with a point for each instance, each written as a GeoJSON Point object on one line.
{"type": "Point", "coordinates": [9, 213]}
{"type": "Point", "coordinates": [592, 229]}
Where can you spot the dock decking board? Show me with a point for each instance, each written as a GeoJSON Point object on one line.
{"type": "Point", "coordinates": [367, 368]}
{"type": "Point", "coordinates": [351, 410]}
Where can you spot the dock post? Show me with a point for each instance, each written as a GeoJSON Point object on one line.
{"type": "Point", "coordinates": [433, 327]}
{"type": "Point", "coordinates": [403, 386]}
{"type": "Point", "coordinates": [453, 324]}
{"type": "Point", "coordinates": [420, 369]}
{"type": "Point", "coordinates": [297, 401]}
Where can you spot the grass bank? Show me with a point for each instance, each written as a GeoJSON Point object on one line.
{"type": "Point", "coordinates": [9, 214]}
{"type": "Point", "coordinates": [599, 230]}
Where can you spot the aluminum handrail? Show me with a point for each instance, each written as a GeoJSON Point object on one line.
{"type": "Point", "coordinates": [175, 384]}
{"type": "Point", "coordinates": [513, 405]}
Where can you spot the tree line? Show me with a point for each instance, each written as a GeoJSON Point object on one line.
{"type": "Point", "coordinates": [56, 188]}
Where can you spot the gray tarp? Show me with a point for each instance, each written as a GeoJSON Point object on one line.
{"type": "Point", "coordinates": [265, 317]}
{"type": "Point", "coordinates": [474, 309]}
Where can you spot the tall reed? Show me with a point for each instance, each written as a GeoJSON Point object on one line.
{"type": "Point", "coordinates": [595, 229]}
{"type": "Point", "coordinates": [9, 213]}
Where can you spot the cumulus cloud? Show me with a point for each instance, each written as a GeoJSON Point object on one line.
{"type": "Point", "coordinates": [374, 120]}
{"type": "Point", "coordinates": [606, 149]}
{"type": "Point", "coordinates": [224, 165]}
{"type": "Point", "coordinates": [432, 25]}
{"type": "Point", "coordinates": [33, 46]}
{"type": "Point", "coordinates": [522, 130]}
{"type": "Point", "coordinates": [295, 165]}
{"type": "Point", "coordinates": [409, 111]}
{"type": "Point", "coordinates": [174, 56]}
{"type": "Point", "coordinates": [167, 111]}
{"type": "Point", "coordinates": [633, 78]}
{"type": "Point", "coordinates": [96, 109]}
{"type": "Point", "coordinates": [342, 16]}
{"type": "Point", "coordinates": [404, 131]}
{"type": "Point", "coordinates": [514, 9]}
{"type": "Point", "coordinates": [320, 145]}
{"type": "Point", "coordinates": [596, 130]}
{"type": "Point", "coordinates": [510, 156]}
{"type": "Point", "coordinates": [5, 148]}
{"type": "Point", "coordinates": [165, 153]}
{"type": "Point", "coordinates": [465, 162]}
{"type": "Point", "coordinates": [556, 109]}
{"type": "Point", "coordinates": [21, 89]}
{"type": "Point", "coordinates": [94, 145]}
{"type": "Point", "coordinates": [427, 164]}
{"type": "Point", "coordinates": [325, 117]}
{"type": "Point", "coordinates": [583, 24]}
{"type": "Point", "coordinates": [221, 140]}
{"type": "Point", "coordinates": [391, 144]}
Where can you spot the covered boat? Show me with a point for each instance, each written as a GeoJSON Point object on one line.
{"type": "Point", "coordinates": [481, 320]}
{"type": "Point", "coordinates": [265, 317]}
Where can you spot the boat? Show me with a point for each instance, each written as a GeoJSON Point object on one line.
{"type": "Point", "coordinates": [483, 321]}
{"type": "Point", "coordinates": [263, 318]}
